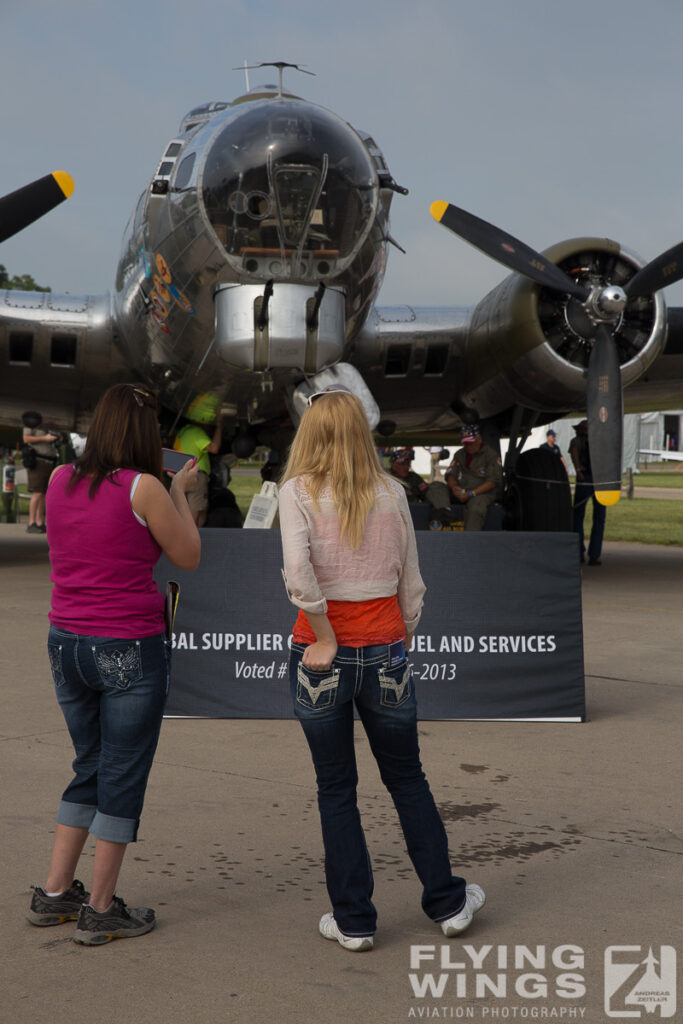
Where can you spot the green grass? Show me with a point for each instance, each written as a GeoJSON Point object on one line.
{"type": "Point", "coordinates": [657, 478]}
{"type": "Point", "coordinates": [645, 520]}
{"type": "Point", "coordinates": [244, 488]}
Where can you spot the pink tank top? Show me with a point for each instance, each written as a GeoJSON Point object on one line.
{"type": "Point", "coordinates": [102, 560]}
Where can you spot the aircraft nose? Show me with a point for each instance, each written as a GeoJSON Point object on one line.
{"type": "Point", "coordinates": [290, 190]}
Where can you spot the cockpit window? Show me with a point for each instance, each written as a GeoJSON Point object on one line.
{"type": "Point", "coordinates": [183, 175]}
{"type": "Point", "coordinates": [289, 180]}
{"type": "Point", "coordinates": [297, 190]}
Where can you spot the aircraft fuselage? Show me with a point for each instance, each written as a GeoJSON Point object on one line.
{"type": "Point", "coordinates": [255, 254]}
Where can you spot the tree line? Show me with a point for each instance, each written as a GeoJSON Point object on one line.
{"type": "Point", "coordinates": [20, 282]}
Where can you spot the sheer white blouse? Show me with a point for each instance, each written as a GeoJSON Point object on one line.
{"type": "Point", "coordinates": [318, 566]}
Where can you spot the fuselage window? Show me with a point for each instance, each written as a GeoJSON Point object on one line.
{"type": "Point", "coordinates": [63, 350]}
{"type": "Point", "coordinates": [435, 362]}
{"type": "Point", "coordinates": [20, 347]}
{"type": "Point", "coordinates": [398, 360]}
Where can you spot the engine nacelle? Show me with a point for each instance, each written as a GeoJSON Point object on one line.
{"type": "Point", "coordinates": [549, 334]}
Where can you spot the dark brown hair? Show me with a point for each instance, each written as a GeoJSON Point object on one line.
{"type": "Point", "coordinates": [124, 434]}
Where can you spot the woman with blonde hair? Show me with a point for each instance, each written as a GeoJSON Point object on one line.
{"type": "Point", "coordinates": [109, 519]}
{"type": "Point", "coordinates": [351, 567]}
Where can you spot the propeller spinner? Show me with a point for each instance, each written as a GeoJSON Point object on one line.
{"type": "Point", "coordinates": [598, 310]}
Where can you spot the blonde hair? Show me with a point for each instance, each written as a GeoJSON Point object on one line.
{"type": "Point", "coordinates": [334, 446]}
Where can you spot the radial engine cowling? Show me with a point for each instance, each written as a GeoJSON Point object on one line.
{"type": "Point", "coordinates": [540, 340]}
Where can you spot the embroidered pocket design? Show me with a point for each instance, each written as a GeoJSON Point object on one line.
{"type": "Point", "coordinates": [394, 686]}
{"type": "Point", "coordinates": [119, 666]}
{"type": "Point", "coordinates": [316, 693]}
{"type": "Point", "coordinates": [55, 653]}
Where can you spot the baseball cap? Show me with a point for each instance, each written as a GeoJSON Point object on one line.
{"type": "Point", "coordinates": [401, 454]}
{"type": "Point", "coordinates": [470, 432]}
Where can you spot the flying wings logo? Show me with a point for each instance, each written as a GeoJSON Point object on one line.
{"type": "Point", "coordinates": [639, 983]}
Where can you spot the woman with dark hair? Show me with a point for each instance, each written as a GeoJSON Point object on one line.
{"type": "Point", "coordinates": [351, 567]}
{"type": "Point", "coordinates": [109, 519]}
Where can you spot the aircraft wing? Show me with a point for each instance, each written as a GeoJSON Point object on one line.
{"type": "Point", "coordinates": [57, 355]}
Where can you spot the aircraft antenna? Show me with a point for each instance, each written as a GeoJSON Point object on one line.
{"type": "Point", "coordinates": [280, 65]}
{"type": "Point", "coordinates": [246, 73]}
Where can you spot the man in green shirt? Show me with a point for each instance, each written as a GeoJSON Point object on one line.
{"type": "Point", "coordinates": [194, 440]}
{"type": "Point", "coordinates": [475, 476]}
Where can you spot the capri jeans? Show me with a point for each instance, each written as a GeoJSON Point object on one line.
{"type": "Point", "coordinates": [385, 699]}
{"type": "Point", "coordinates": [112, 693]}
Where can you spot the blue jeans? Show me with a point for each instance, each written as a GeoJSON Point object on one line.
{"type": "Point", "coordinates": [385, 699]}
{"type": "Point", "coordinates": [112, 694]}
{"type": "Point", "coordinates": [583, 491]}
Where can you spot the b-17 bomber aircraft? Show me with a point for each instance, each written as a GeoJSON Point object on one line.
{"type": "Point", "coordinates": [248, 279]}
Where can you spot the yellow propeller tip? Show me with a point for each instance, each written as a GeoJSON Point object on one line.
{"type": "Point", "coordinates": [608, 497]}
{"type": "Point", "coordinates": [65, 182]}
{"type": "Point", "coordinates": [437, 209]}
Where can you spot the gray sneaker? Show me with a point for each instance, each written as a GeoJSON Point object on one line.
{"type": "Point", "coordinates": [329, 929]}
{"type": "Point", "coordinates": [118, 922]}
{"type": "Point", "coordinates": [474, 901]}
{"type": "Point", "coordinates": [48, 910]}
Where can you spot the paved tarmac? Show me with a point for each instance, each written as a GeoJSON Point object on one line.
{"type": "Point", "coordinates": [573, 830]}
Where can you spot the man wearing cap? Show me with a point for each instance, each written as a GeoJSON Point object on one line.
{"type": "Point", "coordinates": [399, 466]}
{"type": "Point", "coordinates": [551, 445]}
{"type": "Point", "coordinates": [475, 476]}
{"type": "Point", "coordinates": [551, 442]}
{"type": "Point", "coordinates": [580, 456]}
{"type": "Point", "coordinates": [435, 494]}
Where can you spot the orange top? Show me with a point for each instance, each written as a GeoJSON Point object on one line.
{"type": "Point", "coordinates": [357, 623]}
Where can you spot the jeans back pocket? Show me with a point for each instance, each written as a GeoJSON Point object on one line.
{"type": "Point", "coordinates": [119, 663]}
{"type": "Point", "coordinates": [55, 653]}
{"type": "Point", "coordinates": [316, 690]}
{"type": "Point", "coordinates": [394, 684]}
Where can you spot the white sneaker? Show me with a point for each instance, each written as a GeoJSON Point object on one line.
{"type": "Point", "coordinates": [475, 898]}
{"type": "Point", "coordinates": [329, 929]}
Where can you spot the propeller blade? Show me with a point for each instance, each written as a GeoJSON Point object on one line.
{"type": "Point", "coordinates": [605, 417]}
{"type": "Point", "coordinates": [22, 207]}
{"type": "Point", "coordinates": [505, 249]}
{"type": "Point", "coordinates": [660, 272]}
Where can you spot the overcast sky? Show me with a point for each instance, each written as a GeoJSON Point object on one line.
{"type": "Point", "coordinates": [551, 119]}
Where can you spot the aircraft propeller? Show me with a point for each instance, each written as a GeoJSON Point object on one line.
{"type": "Point", "coordinates": [20, 208]}
{"type": "Point", "coordinates": [602, 309]}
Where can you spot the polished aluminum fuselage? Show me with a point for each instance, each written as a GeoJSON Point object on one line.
{"type": "Point", "coordinates": [252, 262]}
{"type": "Point", "coordinates": [188, 284]}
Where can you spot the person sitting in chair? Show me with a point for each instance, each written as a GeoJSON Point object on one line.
{"type": "Point", "coordinates": [475, 476]}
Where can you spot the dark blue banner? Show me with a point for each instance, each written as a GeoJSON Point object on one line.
{"type": "Point", "coordinates": [500, 635]}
